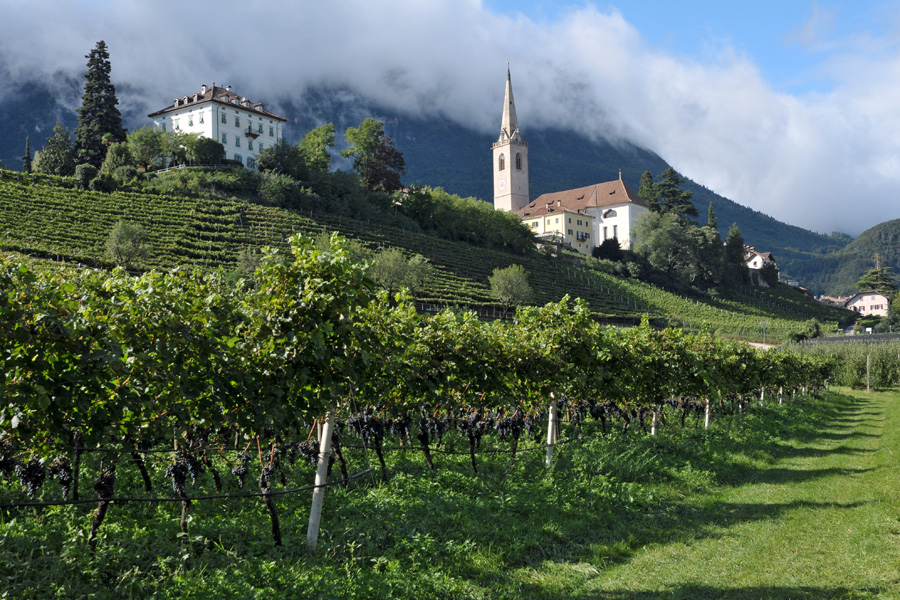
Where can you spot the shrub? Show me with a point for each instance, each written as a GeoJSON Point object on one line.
{"type": "Point", "coordinates": [84, 174]}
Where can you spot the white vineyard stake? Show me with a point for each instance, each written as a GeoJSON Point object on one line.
{"type": "Point", "coordinates": [551, 432]}
{"type": "Point", "coordinates": [315, 513]}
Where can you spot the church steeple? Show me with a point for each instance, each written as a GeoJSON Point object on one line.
{"type": "Point", "coordinates": [509, 125]}
{"type": "Point", "coordinates": [510, 158]}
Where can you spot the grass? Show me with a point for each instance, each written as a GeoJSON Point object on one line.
{"type": "Point", "coordinates": [793, 501]}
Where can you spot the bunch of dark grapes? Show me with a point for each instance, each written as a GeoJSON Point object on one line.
{"type": "Point", "coordinates": [31, 475]}
{"type": "Point", "coordinates": [106, 483]}
{"type": "Point", "coordinates": [61, 469]}
{"type": "Point", "coordinates": [178, 471]}
{"type": "Point", "coordinates": [370, 428]}
{"type": "Point", "coordinates": [267, 474]}
{"type": "Point", "coordinates": [510, 426]}
{"type": "Point", "coordinates": [433, 428]}
{"type": "Point", "coordinates": [241, 470]}
{"type": "Point", "coordinates": [194, 466]}
{"type": "Point", "coordinates": [474, 426]}
{"type": "Point", "coordinates": [8, 461]}
{"type": "Point", "coordinates": [309, 452]}
{"type": "Point", "coordinates": [399, 427]}
{"type": "Point", "coordinates": [274, 455]}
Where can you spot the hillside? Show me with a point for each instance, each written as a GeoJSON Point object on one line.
{"type": "Point", "coordinates": [841, 270]}
{"type": "Point", "coordinates": [441, 152]}
{"type": "Point", "coordinates": [45, 219]}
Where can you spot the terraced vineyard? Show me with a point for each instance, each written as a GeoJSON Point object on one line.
{"type": "Point", "coordinates": [45, 218]}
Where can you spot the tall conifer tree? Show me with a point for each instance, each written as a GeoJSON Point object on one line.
{"type": "Point", "coordinates": [98, 114]}
{"type": "Point", "coordinates": [26, 160]}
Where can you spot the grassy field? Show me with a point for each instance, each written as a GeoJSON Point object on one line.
{"type": "Point", "coordinates": [793, 501]}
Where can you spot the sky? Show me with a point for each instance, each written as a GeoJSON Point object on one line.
{"type": "Point", "coordinates": [790, 107]}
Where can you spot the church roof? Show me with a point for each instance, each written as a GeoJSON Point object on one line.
{"type": "Point", "coordinates": [509, 125]}
{"type": "Point", "coordinates": [221, 95]}
{"type": "Point", "coordinates": [600, 194]}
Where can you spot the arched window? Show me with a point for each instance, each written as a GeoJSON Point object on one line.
{"type": "Point", "coordinates": [518, 161]}
{"type": "Point", "coordinates": [609, 214]}
{"type": "Point", "coordinates": [502, 162]}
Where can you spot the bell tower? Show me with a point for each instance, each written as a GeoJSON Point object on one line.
{"type": "Point", "coordinates": [510, 158]}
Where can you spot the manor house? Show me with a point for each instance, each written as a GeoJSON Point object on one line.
{"type": "Point", "coordinates": [245, 128]}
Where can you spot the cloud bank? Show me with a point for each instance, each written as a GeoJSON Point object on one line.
{"type": "Point", "coordinates": [822, 161]}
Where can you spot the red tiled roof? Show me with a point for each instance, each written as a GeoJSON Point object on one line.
{"type": "Point", "coordinates": [599, 194]}
{"type": "Point", "coordinates": [222, 96]}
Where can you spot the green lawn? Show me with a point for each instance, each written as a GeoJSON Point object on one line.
{"type": "Point", "coordinates": [793, 501]}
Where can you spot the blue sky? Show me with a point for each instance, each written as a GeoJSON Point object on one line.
{"type": "Point", "coordinates": [788, 40]}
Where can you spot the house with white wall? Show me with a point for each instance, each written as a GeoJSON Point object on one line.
{"type": "Point", "coordinates": [869, 302]}
{"type": "Point", "coordinates": [245, 128]}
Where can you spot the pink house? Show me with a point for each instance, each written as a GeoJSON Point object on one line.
{"type": "Point", "coordinates": [869, 302]}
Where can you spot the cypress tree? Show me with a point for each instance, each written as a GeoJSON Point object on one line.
{"type": "Point", "coordinates": [98, 114]}
{"type": "Point", "coordinates": [26, 160]}
{"type": "Point", "coordinates": [711, 221]}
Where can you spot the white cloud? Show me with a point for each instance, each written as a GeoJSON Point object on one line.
{"type": "Point", "coordinates": [822, 161]}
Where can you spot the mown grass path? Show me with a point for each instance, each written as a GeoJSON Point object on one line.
{"type": "Point", "coordinates": [821, 521]}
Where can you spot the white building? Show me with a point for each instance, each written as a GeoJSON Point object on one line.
{"type": "Point", "coordinates": [868, 303]}
{"type": "Point", "coordinates": [245, 128]}
{"type": "Point", "coordinates": [510, 159]}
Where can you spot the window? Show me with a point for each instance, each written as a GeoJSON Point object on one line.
{"type": "Point", "coordinates": [163, 126]}
{"type": "Point", "coordinates": [249, 144]}
{"type": "Point", "coordinates": [518, 161]}
{"type": "Point", "coordinates": [570, 219]}
{"type": "Point", "coordinates": [271, 131]}
{"type": "Point", "coordinates": [260, 128]}
{"type": "Point", "coordinates": [237, 142]}
{"type": "Point", "coordinates": [201, 118]}
{"type": "Point", "coordinates": [224, 118]}
{"type": "Point", "coordinates": [224, 138]}
{"type": "Point", "coordinates": [237, 121]}
{"type": "Point", "coordinates": [534, 224]}
{"type": "Point", "coordinates": [260, 147]}
{"type": "Point", "coordinates": [251, 162]}
{"type": "Point", "coordinates": [556, 220]}
{"type": "Point", "coordinates": [616, 231]}
{"type": "Point", "coordinates": [190, 120]}
{"type": "Point", "coordinates": [570, 232]}
{"type": "Point", "coordinates": [239, 158]}
{"type": "Point", "coordinates": [175, 124]}
{"type": "Point", "coordinates": [604, 233]}
{"type": "Point", "coordinates": [587, 236]}
{"type": "Point", "coordinates": [579, 222]}
{"type": "Point", "coordinates": [502, 165]}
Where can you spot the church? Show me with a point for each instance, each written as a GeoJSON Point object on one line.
{"type": "Point", "coordinates": [582, 217]}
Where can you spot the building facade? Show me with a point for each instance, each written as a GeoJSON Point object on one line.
{"type": "Point", "coordinates": [868, 303]}
{"type": "Point", "coordinates": [560, 225]}
{"type": "Point", "coordinates": [510, 159]}
{"type": "Point", "coordinates": [245, 128]}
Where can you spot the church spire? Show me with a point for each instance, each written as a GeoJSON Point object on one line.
{"type": "Point", "coordinates": [509, 126]}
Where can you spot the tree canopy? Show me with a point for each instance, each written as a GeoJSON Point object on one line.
{"type": "Point", "coordinates": [315, 148]}
{"type": "Point", "coordinates": [98, 115]}
{"type": "Point", "coordinates": [376, 160]}
{"type": "Point", "coordinates": [58, 155]}
{"type": "Point", "coordinates": [879, 279]}
{"type": "Point", "coordinates": [666, 195]}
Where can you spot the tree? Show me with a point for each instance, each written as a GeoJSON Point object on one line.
{"type": "Point", "coordinates": [315, 148]}
{"type": "Point", "coordinates": [711, 217]}
{"type": "Point", "coordinates": [510, 287]}
{"type": "Point", "coordinates": [669, 197]}
{"type": "Point", "coordinates": [879, 279]}
{"type": "Point", "coordinates": [647, 191]}
{"type": "Point", "coordinates": [147, 146]}
{"type": "Point", "coordinates": [98, 114]}
{"type": "Point", "coordinates": [26, 160]}
{"type": "Point", "coordinates": [84, 175]}
{"type": "Point", "coordinates": [609, 249]}
{"type": "Point", "coordinates": [376, 160]}
{"type": "Point", "coordinates": [205, 151]}
{"type": "Point", "coordinates": [283, 158]}
{"type": "Point", "coordinates": [736, 270]}
{"type": "Point", "coordinates": [126, 243]}
{"type": "Point", "coordinates": [118, 155]}
{"type": "Point", "coordinates": [393, 271]}
{"type": "Point", "coordinates": [666, 242]}
{"type": "Point", "coordinates": [58, 155]}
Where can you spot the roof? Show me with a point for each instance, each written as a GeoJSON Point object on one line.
{"type": "Point", "coordinates": [219, 95]}
{"type": "Point", "coordinates": [750, 252]}
{"type": "Point", "coordinates": [540, 211]}
{"type": "Point", "coordinates": [858, 295]}
{"type": "Point", "coordinates": [600, 194]}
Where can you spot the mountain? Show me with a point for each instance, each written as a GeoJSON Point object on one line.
{"type": "Point", "coordinates": [441, 152]}
{"type": "Point", "coordinates": [839, 272]}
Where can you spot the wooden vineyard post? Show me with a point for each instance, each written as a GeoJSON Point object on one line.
{"type": "Point", "coordinates": [551, 432]}
{"type": "Point", "coordinates": [708, 414]}
{"type": "Point", "coordinates": [655, 422]}
{"type": "Point", "coordinates": [868, 373]}
{"type": "Point", "coordinates": [315, 513]}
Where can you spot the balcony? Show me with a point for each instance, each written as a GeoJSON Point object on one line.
{"type": "Point", "coordinates": [250, 133]}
